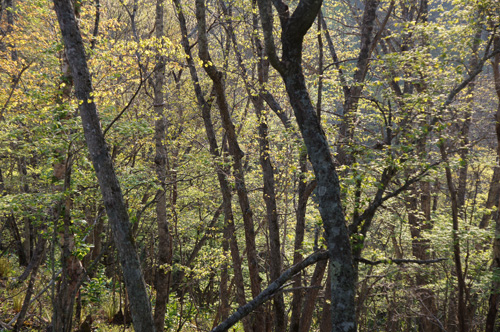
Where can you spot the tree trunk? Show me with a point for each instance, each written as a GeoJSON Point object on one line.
{"type": "Point", "coordinates": [229, 229]}
{"type": "Point", "coordinates": [101, 159]}
{"type": "Point", "coordinates": [304, 190]}
{"type": "Point", "coordinates": [310, 296]}
{"type": "Point", "coordinates": [494, 299]}
{"type": "Point", "coordinates": [462, 287]}
{"type": "Point", "coordinates": [236, 154]}
{"type": "Point", "coordinates": [72, 268]}
{"type": "Point", "coordinates": [493, 198]}
{"type": "Point", "coordinates": [353, 93]}
{"type": "Point", "coordinates": [419, 221]}
{"type": "Point", "coordinates": [162, 280]}
{"type": "Point", "coordinates": [343, 275]}
{"type": "Point", "coordinates": [326, 314]}
{"type": "Point", "coordinates": [269, 195]}
{"type": "Point", "coordinates": [12, 225]}
{"type": "Point", "coordinates": [35, 262]}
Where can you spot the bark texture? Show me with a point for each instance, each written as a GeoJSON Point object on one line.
{"type": "Point", "coordinates": [112, 196]}
{"type": "Point", "coordinates": [236, 153]}
{"type": "Point", "coordinates": [162, 280]}
{"type": "Point", "coordinates": [294, 26]}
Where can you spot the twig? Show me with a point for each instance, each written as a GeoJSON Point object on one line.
{"type": "Point", "coordinates": [37, 295]}
{"type": "Point", "coordinates": [6, 326]}
{"type": "Point", "coordinates": [128, 105]}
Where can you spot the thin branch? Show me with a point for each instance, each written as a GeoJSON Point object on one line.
{"type": "Point", "coordinates": [472, 76]}
{"type": "Point", "coordinates": [382, 27]}
{"type": "Point", "coordinates": [96, 24]}
{"type": "Point", "coordinates": [129, 103]}
{"type": "Point", "coordinates": [300, 288]}
{"type": "Point", "coordinates": [270, 291]}
{"type": "Point", "coordinates": [36, 297]}
{"type": "Point", "coordinates": [15, 82]}
{"type": "Point", "coordinates": [6, 326]}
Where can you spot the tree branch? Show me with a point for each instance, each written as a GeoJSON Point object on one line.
{"type": "Point", "coordinates": [266, 18]}
{"type": "Point", "coordinates": [302, 18]}
{"type": "Point", "coordinates": [270, 291]}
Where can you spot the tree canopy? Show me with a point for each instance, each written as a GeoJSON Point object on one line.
{"type": "Point", "coordinates": [250, 165]}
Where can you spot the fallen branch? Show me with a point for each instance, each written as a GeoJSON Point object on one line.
{"type": "Point", "coordinates": [270, 291]}
{"type": "Point", "coordinates": [6, 326]}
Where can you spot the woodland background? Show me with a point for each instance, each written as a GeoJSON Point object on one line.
{"type": "Point", "coordinates": [214, 172]}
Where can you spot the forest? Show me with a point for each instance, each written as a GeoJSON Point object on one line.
{"type": "Point", "coordinates": [250, 165]}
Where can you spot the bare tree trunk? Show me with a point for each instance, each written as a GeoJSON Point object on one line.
{"type": "Point", "coordinates": [311, 295]}
{"type": "Point", "coordinates": [494, 299]}
{"type": "Point", "coordinates": [419, 220]}
{"type": "Point", "coordinates": [304, 190]}
{"type": "Point", "coordinates": [35, 262]}
{"type": "Point", "coordinates": [28, 226]}
{"type": "Point", "coordinates": [353, 93]}
{"type": "Point", "coordinates": [108, 182]}
{"type": "Point", "coordinates": [95, 237]}
{"type": "Point", "coordinates": [269, 195]}
{"type": "Point", "coordinates": [326, 315]}
{"type": "Point", "coordinates": [14, 230]}
{"type": "Point", "coordinates": [269, 292]}
{"type": "Point", "coordinates": [71, 265]}
{"type": "Point", "coordinates": [493, 197]}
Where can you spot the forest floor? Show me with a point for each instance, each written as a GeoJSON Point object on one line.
{"type": "Point", "coordinates": [103, 312]}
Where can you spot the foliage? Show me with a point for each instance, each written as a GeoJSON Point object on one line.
{"type": "Point", "coordinates": [401, 120]}
{"type": "Point", "coordinates": [5, 267]}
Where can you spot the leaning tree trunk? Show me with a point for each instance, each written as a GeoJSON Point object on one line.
{"type": "Point", "coordinates": [110, 188]}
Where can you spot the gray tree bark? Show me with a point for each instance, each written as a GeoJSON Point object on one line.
{"type": "Point", "coordinates": [294, 26]}
{"type": "Point", "coordinates": [494, 299]}
{"type": "Point", "coordinates": [112, 196]}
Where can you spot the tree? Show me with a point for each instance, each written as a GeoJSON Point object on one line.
{"type": "Point", "coordinates": [197, 119]}
{"type": "Point", "coordinates": [342, 274]}
{"type": "Point", "coordinates": [110, 188]}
